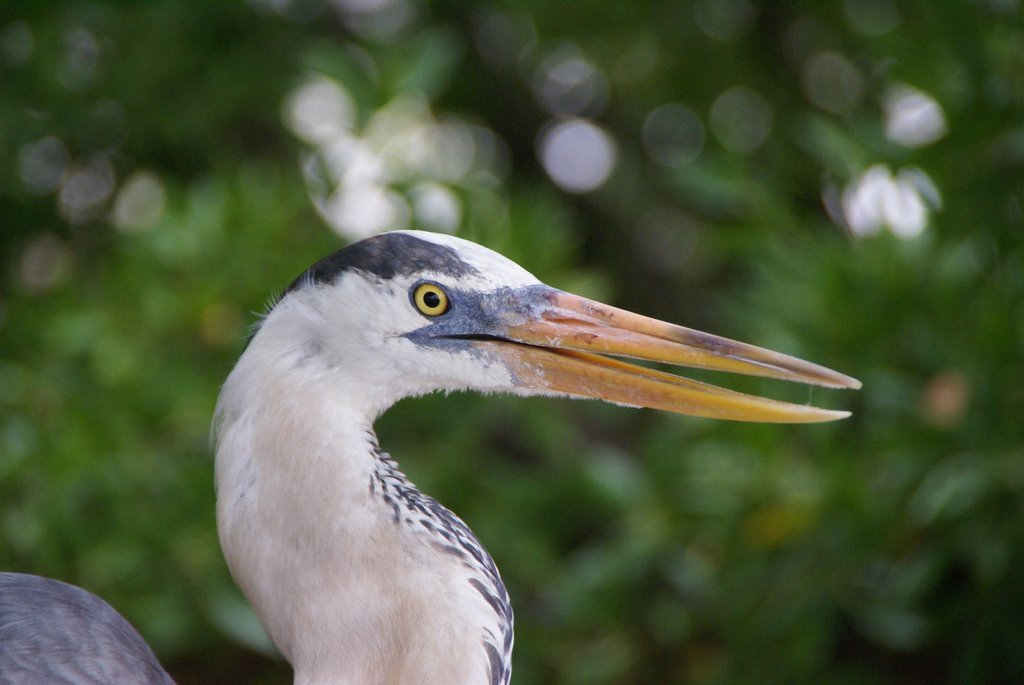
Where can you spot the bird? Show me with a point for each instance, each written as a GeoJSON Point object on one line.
{"type": "Point", "coordinates": [357, 576]}
{"type": "Point", "coordinates": [52, 632]}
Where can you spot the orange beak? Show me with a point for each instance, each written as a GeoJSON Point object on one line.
{"type": "Point", "coordinates": [559, 348]}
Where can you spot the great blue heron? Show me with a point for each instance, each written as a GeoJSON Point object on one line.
{"type": "Point", "coordinates": [356, 575]}
{"type": "Point", "coordinates": [52, 632]}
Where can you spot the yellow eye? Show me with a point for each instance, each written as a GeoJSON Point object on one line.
{"type": "Point", "coordinates": [430, 299]}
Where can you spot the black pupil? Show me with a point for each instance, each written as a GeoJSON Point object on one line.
{"type": "Point", "coordinates": [431, 299]}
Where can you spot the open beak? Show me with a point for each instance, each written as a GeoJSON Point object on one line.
{"type": "Point", "coordinates": [560, 348]}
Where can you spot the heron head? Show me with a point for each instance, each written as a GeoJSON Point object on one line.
{"type": "Point", "coordinates": [407, 312]}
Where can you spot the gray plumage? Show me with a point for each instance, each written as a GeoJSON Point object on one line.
{"type": "Point", "coordinates": [385, 256]}
{"type": "Point", "coordinates": [52, 633]}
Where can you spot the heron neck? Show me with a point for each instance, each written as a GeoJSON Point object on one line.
{"type": "Point", "coordinates": [327, 540]}
{"type": "Point", "coordinates": [293, 461]}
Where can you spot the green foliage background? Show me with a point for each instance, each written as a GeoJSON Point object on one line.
{"type": "Point", "coordinates": [638, 547]}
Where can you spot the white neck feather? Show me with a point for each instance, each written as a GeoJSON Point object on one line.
{"type": "Point", "coordinates": [310, 529]}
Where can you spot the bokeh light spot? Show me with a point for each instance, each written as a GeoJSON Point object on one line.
{"type": "Point", "coordinates": [912, 117]}
{"type": "Point", "coordinates": [673, 135]}
{"type": "Point", "coordinates": [319, 111]}
{"type": "Point", "coordinates": [85, 189]}
{"type": "Point", "coordinates": [359, 210]}
{"type": "Point", "coordinates": [403, 163]}
{"type": "Point", "coordinates": [577, 154]}
{"type": "Point", "coordinates": [454, 148]}
{"type": "Point", "coordinates": [45, 264]}
{"type": "Point", "coordinates": [741, 119]}
{"type": "Point", "coordinates": [724, 20]}
{"type": "Point", "coordinates": [436, 207]}
{"type": "Point", "coordinates": [945, 399]}
{"type": "Point", "coordinates": [140, 202]}
{"type": "Point", "coordinates": [42, 164]}
{"type": "Point", "coordinates": [566, 83]}
{"type": "Point", "coordinates": [382, 20]}
{"type": "Point", "coordinates": [832, 82]}
{"type": "Point", "coordinates": [877, 200]}
{"type": "Point", "coordinates": [77, 71]}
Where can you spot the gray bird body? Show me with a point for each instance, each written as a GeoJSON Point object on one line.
{"type": "Point", "coordinates": [52, 633]}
